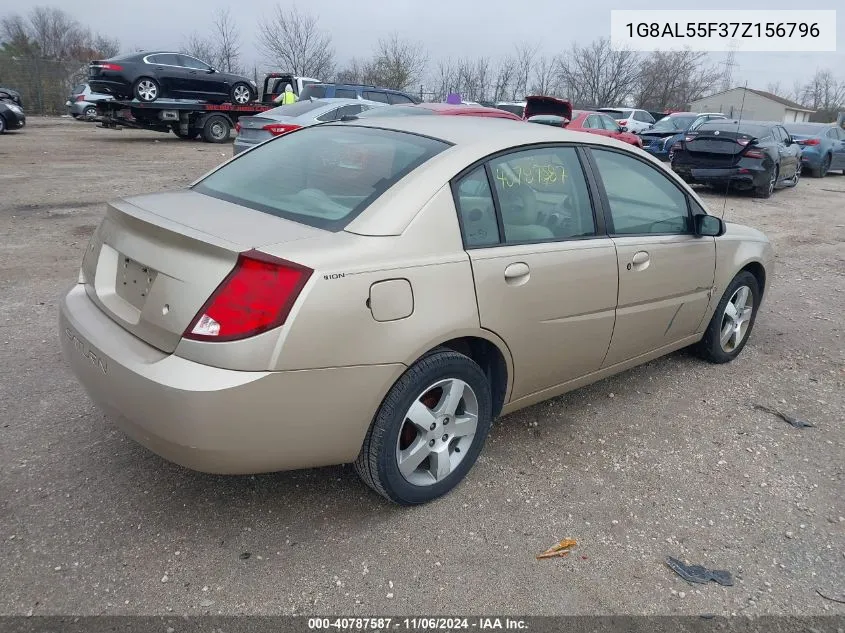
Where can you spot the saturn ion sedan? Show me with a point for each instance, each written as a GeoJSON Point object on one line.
{"type": "Point", "coordinates": [379, 291]}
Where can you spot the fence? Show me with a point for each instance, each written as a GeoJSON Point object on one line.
{"type": "Point", "coordinates": [44, 84]}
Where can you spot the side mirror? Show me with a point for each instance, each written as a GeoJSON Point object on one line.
{"type": "Point", "coordinates": [709, 225]}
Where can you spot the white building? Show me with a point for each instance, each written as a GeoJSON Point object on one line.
{"type": "Point", "coordinates": [756, 105]}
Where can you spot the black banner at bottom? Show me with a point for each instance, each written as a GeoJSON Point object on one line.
{"type": "Point", "coordinates": [400, 624]}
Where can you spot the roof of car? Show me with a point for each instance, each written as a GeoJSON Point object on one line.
{"type": "Point", "coordinates": [452, 108]}
{"type": "Point", "coordinates": [365, 86]}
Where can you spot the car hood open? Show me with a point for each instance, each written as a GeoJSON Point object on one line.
{"type": "Point", "coordinates": [537, 105]}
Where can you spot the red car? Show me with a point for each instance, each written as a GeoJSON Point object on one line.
{"type": "Point", "coordinates": [559, 112]}
{"type": "Point", "coordinates": [438, 108]}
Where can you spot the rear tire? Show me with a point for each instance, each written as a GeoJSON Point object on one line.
{"type": "Point", "coordinates": [731, 322]}
{"type": "Point", "coordinates": [2, 125]}
{"type": "Point", "coordinates": [768, 189]}
{"type": "Point", "coordinates": [90, 112]}
{"type": "Point", "coordinates": [415, 462]}
{"type": "Point", "coordinates": [216, 129]}
{"type": "Point", "coordinates": [146, 90]}
{"type": "Point", "coordinates": [821, 170]}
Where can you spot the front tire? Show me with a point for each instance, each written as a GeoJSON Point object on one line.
{"type": "Point", "coordinates": [821, 170]}
{"type": "Point", "coordinates": [733, 320]}
{"type": "Point", "coordinates": [146, 90]}
{"type": "Point", "coordinates": [241, 94]}
{"type": "Point", "coordinates": [2, 125]}
{"type": "Point", "coordinates": [429, 430]}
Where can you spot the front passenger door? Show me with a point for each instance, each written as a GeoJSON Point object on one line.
{"type": "Point", "coordinates": [545, 272]}
{"type": "Point", "coordinates": [666, 273]}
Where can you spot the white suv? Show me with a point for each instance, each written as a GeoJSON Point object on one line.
{"type": "Point", "coordinates": [632, 119]}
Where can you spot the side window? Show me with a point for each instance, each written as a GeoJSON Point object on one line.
{"type": "Point", "coordinates": [777, 135]}
{"type": "Point", "coordinates": [831, 133]}
{"type": "Point", "coordinates": [542, 195]}
{"type": "Point", "coordinates": [375, 96]}
{"type": "Point", "coordinates": [168, 59]}
{"type": "Point", "coordinates": [345, 93]}
{"type": "Point", "coordinates": [609, 124]}
{"type": "Point", "coordinates": [841, 133]}
{"type": "Point", "coordinates": [395, 98]}
{"type": "Point", "coordinates": [349, 110]}
{"type": "Point", "coordinates": [593, 122]}
{"type": "Point", "coordinates": [191, 62]}
{"type": "Point", "coordinates": [476, 212]}
{"type": "Point", "coordinates": [642, 200]}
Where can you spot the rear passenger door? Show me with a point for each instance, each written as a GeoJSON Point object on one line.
{"type": "Point", "coordinates": [545, 272]}
{"type": "Point", "coordinates": [171, 76]}
{"type": "Point", "coordinates": [665, 272]}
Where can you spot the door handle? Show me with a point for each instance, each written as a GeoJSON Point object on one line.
{"type": "Point", "coordinates": [639, 261]}
{"type": "Point", "coordinates": [517, 273]}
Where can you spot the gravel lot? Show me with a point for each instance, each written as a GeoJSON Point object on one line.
{"type": "Point", "coordinates": [667, 459]}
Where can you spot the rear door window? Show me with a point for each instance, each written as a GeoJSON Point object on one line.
{"type": "Point", "coordinates": [165, 59]}
{"type": "Point", "coordinates": [193, 63]}
{"type": "Point", "coordinates": [322, 176]}
{"type": "Point", "coordinates": [609, 124]}
{"type": "Point", "coordinates": [372, 95]}
{"type": "Point", "coordinates": [395, 98]}
{"type": "Point", "coordinates": [345, 93]}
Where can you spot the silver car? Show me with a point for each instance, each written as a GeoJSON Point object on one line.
{"type": "Point", "coordinates": [253, 130]}
{"type": "Point", "coordinates": [82, 102]}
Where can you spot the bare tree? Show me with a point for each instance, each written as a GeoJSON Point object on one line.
{"type": "Point", "coordinates": [200, 47]}
{"type": "Point", "coordinates": [523, 63]}
{"type": "Point", "coordinates": [227, 37]}
{"type": "Point", "coordinates": [292, 40]}
{"type": "Point", "coordinates": [398, 63]}
{"type": "Point", "coordinates": [775, 88]}
{"type": "Point", "coordinates": [823, 92]}
{"type": "Point", "coordinates": [504, 79]}
{"type": "Point", "coordinates": [673, 79]}
{"type": "Point", "coordinates": [545, 77]}
{"type": "Point", "coordinates": [598, 75]}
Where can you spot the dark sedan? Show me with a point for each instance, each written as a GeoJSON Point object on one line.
{"type": "Point", "coordinates": [750, 155]}
{"type": "Point", "coordinates": [150, 76]}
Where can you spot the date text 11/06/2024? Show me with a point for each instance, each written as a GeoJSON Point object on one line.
{"type": "Point", "coordinates": [679, 30]}
{"type": "Point", "coordinates": [416, 624]}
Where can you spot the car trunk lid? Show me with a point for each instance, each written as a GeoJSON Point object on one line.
{"type": "Point", "coordinates": [255, 129]}
{"type": "Point", "coordinates": [155, 259]}
{"type": "Point", "coordinates": [541, 105]}
{"type": "Point", "coordinates": [718, 148]}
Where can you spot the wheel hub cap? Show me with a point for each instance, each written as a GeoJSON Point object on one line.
{"type": "Point", "coordinates": [736, 319]}
{"type": "Point", "coordinates": [437, 432]}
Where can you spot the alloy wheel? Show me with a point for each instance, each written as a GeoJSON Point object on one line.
{"type": "Point", "coordinates": [773, 180]}
{"type": "Point", "coordinates": [437, 432]}
{"type": "Point", "coordinates": [241, 94]}
{"type": "Point", "coordinates": [736, 319]}
{"type": "Point", "coordinates": [147, 90]}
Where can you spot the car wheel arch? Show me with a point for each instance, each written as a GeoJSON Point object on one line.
{"type": "Point", "coordinates": [759, 271]}
{"type": "Point", "coordinates": [485, 348]}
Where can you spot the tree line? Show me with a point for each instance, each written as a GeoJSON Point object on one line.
{"type": "Point", "coordinates": [47, 49]}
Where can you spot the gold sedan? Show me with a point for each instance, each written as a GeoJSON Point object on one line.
{"type": "Point", "coordinates": [379, 291]}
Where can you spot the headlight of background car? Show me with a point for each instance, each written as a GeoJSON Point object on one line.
{"type": "Point", "coordinates": [14, 108]}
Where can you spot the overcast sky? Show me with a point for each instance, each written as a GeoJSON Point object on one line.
{"type": "Point", "coordinates": [446, 27]}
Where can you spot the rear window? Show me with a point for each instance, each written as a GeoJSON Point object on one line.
{"type": "Point", "coordinates": [322, 176]}
{"type": "Point", "coordinates": [672, 123]}
{"type": "Point", "coordinates": [78, 90]}
{"type": "Point", "coordinates": [732, 126]}
{"type": "Point", "coordinates": [296, 109]}
{"type": "Point", "coordinates": [313, 91]}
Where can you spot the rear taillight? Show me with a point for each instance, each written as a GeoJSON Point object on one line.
{"type": "Point", "coordinates": [255, 297]}
{"type": "Point", "coordinates": [108, 66]}
{"type": "Point", "coordinates": [80, 97]}
{"type": "Point", "coordinates": [238, 127]}
{"type": "Point", "coordinates": [277, 129]}
{"type": "Point", "coordinates": [754, 153]}
{"type": "Point", "coordinates": [623, 122]}
{"type": "Point", "coordinates": [810, 141]}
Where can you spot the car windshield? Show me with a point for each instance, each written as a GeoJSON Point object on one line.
{"type": "Point", "coordinates": [616, 114]}
{"type": "Point", "coordinates": [516, 109]}
{"type": "Point", "coordinates": [809, 130]}
{"type": "Point", "coordinates": [296, 109]}
{"type": "Point", "coordinates": [672, 124]}
{"type": "Point", "coordinates": [322, 176]}
{"type": "Point", "coordinates": [394, 111]}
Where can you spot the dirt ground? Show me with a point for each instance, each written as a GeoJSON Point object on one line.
{"type": "Point", "coordinates": [670, 459]}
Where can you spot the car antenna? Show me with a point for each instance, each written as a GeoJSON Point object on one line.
{"type": "Point", "coordinates": [738, 123]}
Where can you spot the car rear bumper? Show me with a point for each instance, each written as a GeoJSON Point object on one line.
{"type": "Point", "coordinates": [657, 151]}
{"type": "Point", "coordinates": [77, 108]}
{"type": "Point", "coordinates": [811, 158]}
{"type": "Point", "coordinates": [742, 177]}
{"type": "Point", "coordinates": [110, 85]}
{"type": "Point", "coordinates": [218, 420]}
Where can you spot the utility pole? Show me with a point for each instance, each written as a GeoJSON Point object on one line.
{"type": "Point", "coordinates": [729, 64]}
